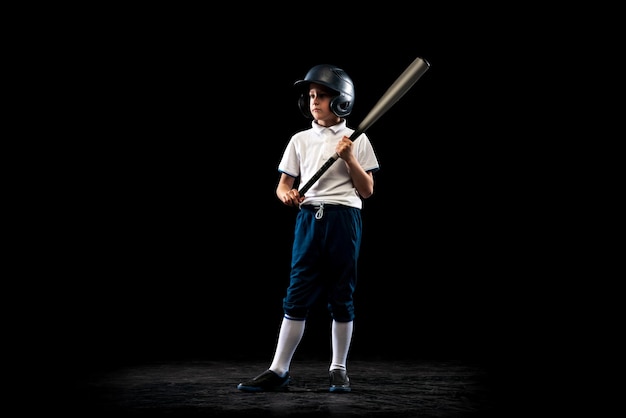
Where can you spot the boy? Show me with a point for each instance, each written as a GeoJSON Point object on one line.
{"type": "Point", "coordinates": [328, 226]}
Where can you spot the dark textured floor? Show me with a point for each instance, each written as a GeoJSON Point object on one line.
{"type": "Point", "coordinates": [208, 388]}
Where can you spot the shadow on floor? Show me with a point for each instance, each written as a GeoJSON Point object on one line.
{"type": "Point", "coordinates": [209, 388]}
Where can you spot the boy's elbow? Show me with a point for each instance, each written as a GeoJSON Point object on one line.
{"type": "Point", "coordinates": [366, 193]}
{"type": "Point", "coordinates": [367, 188]}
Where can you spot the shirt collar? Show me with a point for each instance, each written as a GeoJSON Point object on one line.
{"type": "Point", "coordinates": [335, 129]}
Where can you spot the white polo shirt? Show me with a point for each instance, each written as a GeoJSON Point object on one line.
{"type": "Point", "coordinates": [308, 150]}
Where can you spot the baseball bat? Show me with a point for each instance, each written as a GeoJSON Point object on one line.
{"type": "Point", "coordinates": [403, 83]}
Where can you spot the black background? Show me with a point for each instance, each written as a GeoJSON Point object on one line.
{"type": "Point", "coordinates": [170, 242]}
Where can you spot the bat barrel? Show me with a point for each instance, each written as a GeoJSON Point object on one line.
{"type": "Point", "coordinates": [403, 83]}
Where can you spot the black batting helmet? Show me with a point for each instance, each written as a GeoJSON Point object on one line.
{"type": "Point", "coordinates": [335, 79]}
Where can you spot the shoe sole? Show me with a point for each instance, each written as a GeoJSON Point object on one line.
{"type": "Point", "coordinates": [260, 389]}
{"type": "Point", "coordinates": [340, 390]}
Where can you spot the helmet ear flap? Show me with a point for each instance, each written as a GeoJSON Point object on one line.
{"type": "Point", "coordinates": [341, 105]}
{"type": "Point", "coordinates": [303, 104]}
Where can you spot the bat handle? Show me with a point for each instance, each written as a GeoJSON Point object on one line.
{"type": "Point", "coordinates": [355, 134]}
{"type": "Point", "coordinates": [326, 166]}
{"type": "Point", "coordinates": [317, 175]}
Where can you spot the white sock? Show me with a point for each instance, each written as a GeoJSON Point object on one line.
{"type": "Point", "coordinates": [289, 337]}
{"type": "Point", "coordinates": [341, 338]}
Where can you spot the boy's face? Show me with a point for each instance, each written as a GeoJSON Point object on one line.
{"type": "Point", "coordinates": [319, 104]}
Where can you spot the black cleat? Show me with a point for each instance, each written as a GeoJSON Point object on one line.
{"type": "Point", "coordinates": [339, 381]}
{"type": "Point", "coordinates": [265, 382]}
